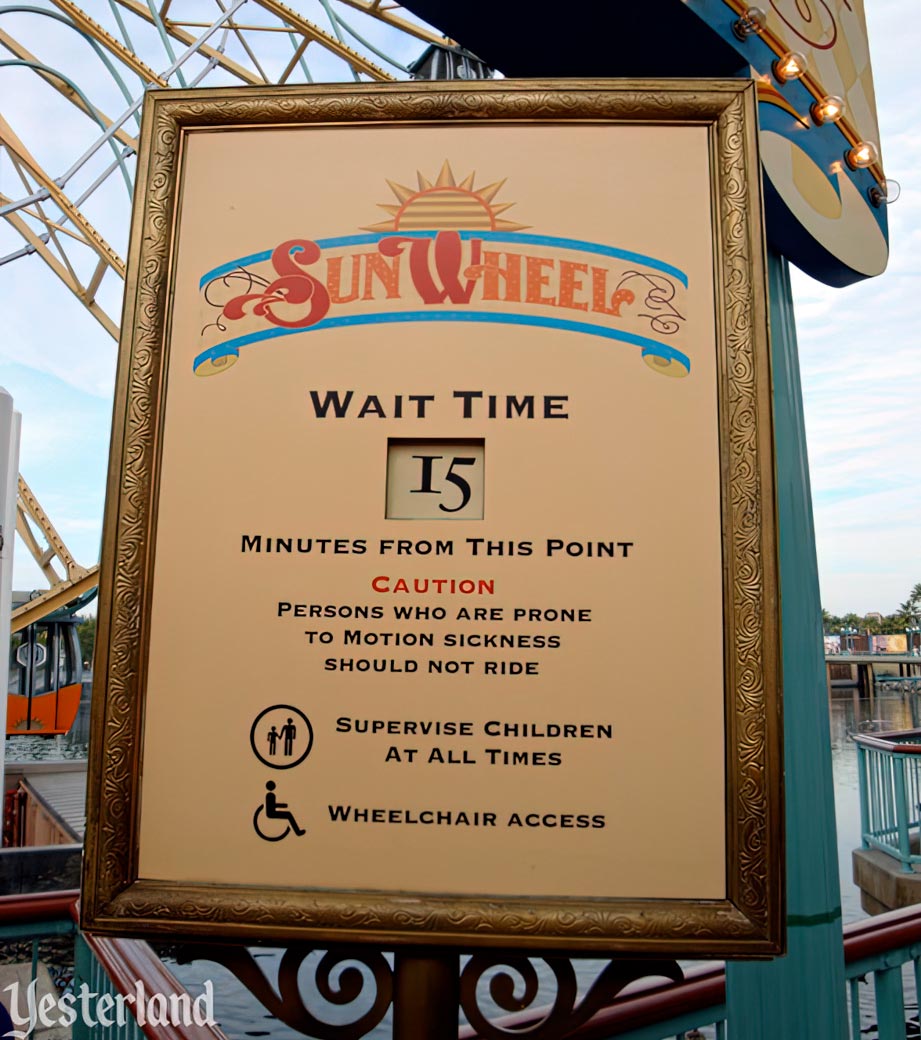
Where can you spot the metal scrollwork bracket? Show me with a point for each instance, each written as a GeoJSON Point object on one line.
{"type": "Point", "coordinates": [427, 989]}
{"type": "Point", "coordinates": [337, 975]}
{"type": "Point", "coordinates": [565, 1014]}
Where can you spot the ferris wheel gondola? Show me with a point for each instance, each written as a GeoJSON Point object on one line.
{"type": "Point", "coordinates": [46, 674]}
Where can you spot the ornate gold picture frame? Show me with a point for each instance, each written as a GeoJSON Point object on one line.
{"type": "Point", "coordinates": [436, 615]}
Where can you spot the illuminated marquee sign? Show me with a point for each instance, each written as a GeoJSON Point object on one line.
{"type": "Point", "coordinates": [820, 143]}
{"type": "Point", "coordinates": [383, 598]}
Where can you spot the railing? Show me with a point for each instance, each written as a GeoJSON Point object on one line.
{"type": "Point", "coordinates": [126, 968]}
{"type": "Point", "coordinates": [882, 947]}
{"type": "Point", "coordinates": [26, 924]}
{"type": "Point", "coordinates": [907, 685]}
{"type": "Point", "coordinates": [889, 774]}
{"type": "Point", "coordinates": [882, 965]}
{"type": "Point", "coordinates": [89, 972]}
{"type": "Point", "coordinates": [654, 1010]}
{"type": "Point", "coordinates": [881, 955]}
{"type": "Point", "coordinates": [898, 683]}
{"type": "Point", "coordinates": [112, 972]}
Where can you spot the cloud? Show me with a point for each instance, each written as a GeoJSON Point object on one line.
{"type": "Point", "coordinates": [861, 367]}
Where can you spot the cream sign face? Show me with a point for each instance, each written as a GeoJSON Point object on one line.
{"type": "Point", "coordinates": [438, 591]}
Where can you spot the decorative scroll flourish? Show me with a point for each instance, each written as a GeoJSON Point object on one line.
{"type": "Point", "coordinates": [337, 976]}
{"type": "Point", "coordinates": [563, 1016]}
{"type": "Point", "coordinates": [660, 294]}
{"type": "Point", "coordinates": [823, 34]}
{"type": "Point", "coordinates": [251, 282]}
{"type": "Point", "coordinates": [292, 288]}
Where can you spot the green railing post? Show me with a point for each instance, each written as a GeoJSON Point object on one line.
{"type": "Point", "coordinates": [890, 1003]}
{"type": "Point", "coordinates": [83, 973]}
{"type": "Point", "coordinates": [863, 766]}
{"type": "Point", "coordinates": [901, 811]}
{"type": "Point", "coordinates": [803, 993]}
{"type": "Point", "coordinates": [854, 988]}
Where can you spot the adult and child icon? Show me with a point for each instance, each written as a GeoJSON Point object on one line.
{"type": "Point", "coordinates": [288, 732]}
{"type": "Point", "coordinates": [280, 742]}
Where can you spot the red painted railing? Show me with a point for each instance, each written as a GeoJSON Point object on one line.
{"type": "Point", "coordinates": [704, 988]}
{"type": "Point", "coordinates": [127, 962]}
{"type": "Point", "coordinates": [38, 906]}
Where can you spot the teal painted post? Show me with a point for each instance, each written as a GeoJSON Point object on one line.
{"type": "Point", "coordinates": [864, 794]}
{"type": "Point", "coordinates": [803, 993]}
{"type": "Point", "coordinates": [890, 1003]}
{"type": "Point", "coordinates": [83, 975]}
{"type": "Point", "coordinates": [901, 811]}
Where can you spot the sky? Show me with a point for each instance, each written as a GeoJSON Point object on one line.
{"type": "Point", "coordinates": [861, 366]}
{"type": "Point", "coordinates": [859, 352]}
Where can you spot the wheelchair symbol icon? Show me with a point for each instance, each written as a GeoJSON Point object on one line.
{"type": "Point", "coordinates": [275, 812]}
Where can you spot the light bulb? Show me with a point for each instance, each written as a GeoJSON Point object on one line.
{"type": "Point", "coordinates": [791, 65]}
{"type": "Point", "coordinates": [862, 155]}
{"type": "Point", "coordinates": [886, 193]}
{"type": "Point", "coordinates": [829, 110]}
{"type": "Point", "coordinates": [753, 21]}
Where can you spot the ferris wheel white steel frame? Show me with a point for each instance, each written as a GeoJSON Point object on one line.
{"type": "Point", "coordinates": [74, 81]}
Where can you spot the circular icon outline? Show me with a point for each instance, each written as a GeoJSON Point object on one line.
{"type": "Point", "coordinates": [267, 761]}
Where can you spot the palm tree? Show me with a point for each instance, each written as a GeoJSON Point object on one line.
{"type": "Point", "coordinates": [911, 608]}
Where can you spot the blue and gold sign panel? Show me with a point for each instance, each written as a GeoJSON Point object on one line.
{"type": "Point", "coordinates": [820, 148]}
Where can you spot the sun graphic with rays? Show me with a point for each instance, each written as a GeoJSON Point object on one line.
{"type": "Point", "coordinates": [446, 205]}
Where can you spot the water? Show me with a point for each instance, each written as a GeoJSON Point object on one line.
{"type": "Point", "coordinates": [240, 1013]}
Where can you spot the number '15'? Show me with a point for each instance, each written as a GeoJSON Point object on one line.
{"type": "Point", "coordinates": [451, 477]}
